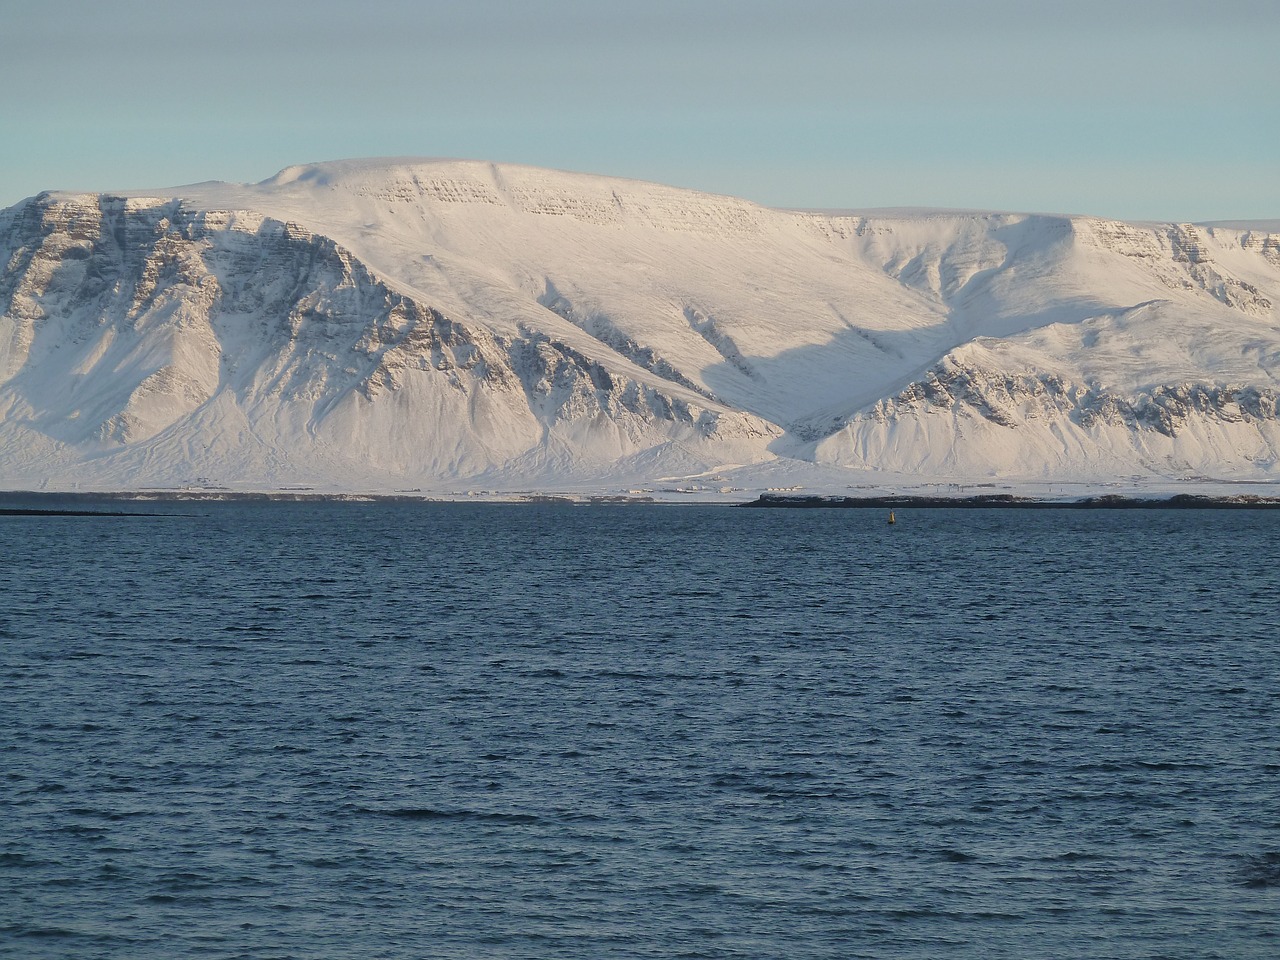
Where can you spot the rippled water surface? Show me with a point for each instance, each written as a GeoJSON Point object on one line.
{"type": "Point", "coordinates": [393, 731]}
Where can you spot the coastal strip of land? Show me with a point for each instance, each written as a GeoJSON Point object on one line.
{"type": "Point", "coordinates": [1181, 501]}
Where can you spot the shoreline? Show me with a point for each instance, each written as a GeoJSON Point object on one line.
{"type": "Point", "coordinates": [41, 503]}
{"type": "Point", "coordinates": [1006, 501]}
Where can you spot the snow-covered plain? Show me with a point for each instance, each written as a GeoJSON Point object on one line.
{"type": "Point", "coordinates": [446, 327]}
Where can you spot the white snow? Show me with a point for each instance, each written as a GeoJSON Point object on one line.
{"type": "Point", "coordinates": [445, 325]}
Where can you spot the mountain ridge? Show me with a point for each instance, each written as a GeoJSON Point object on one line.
{"type": "Point", "coordinates": [390, 324]}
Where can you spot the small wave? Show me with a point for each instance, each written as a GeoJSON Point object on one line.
{"type": "Point", "coordinates": [44, 932]}
{"type": "Point", "coordinates": [1076, 856]}
{"type": "Point", "coordinates": [90, 812]}
{"type": "Point", "coordinates": [430, 813]}
{"type": "Point", "coordinates": [790, 775]}
{"type": "Point", "coordinates": [1169, 765]}
{"type": "Point", "coordinates": [573, 817]}
{"type": "Point", "coordinates": [182, 881]}
{"type": "Point", "coordinates": [626, 675]}
{"type": "Point", "coordinates": [1260, 870]}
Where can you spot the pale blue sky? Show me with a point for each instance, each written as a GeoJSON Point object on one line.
{"type": "Point", "coordinates": [1135, 109]}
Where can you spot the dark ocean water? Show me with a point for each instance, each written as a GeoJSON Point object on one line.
{"type": "Point", "coordinates": [383, 731]}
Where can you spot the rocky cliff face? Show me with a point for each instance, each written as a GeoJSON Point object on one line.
{"type": "Point", "coordinates": [1013, 400]}
{"type": "Point", "coordinates": [977, 418]}
{"type": "Point", "coordinates": [126, 320]}
{"type": "Point", "coordinates": [1180, 256]}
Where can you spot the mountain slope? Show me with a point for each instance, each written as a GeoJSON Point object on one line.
{"type": "Point", "coordinates": [396, 324]}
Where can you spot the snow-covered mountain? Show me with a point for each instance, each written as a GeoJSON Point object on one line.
{"type": "Point", "coordinates": [438, 325]}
